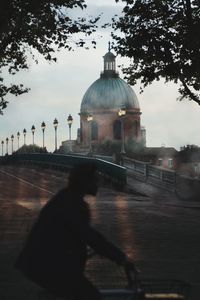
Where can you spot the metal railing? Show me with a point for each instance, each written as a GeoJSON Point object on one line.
{"type": "Point", "coordinates": [109, 170]}
{"type": "Point", "coordinates": [149, 171]}
{"type": "Point", "coordinates": [185, 187]}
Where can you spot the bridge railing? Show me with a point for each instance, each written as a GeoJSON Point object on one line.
{"type": "Point", "coordinates": [185, 187]}
{"type": "Point", "coordinates": [167, 176]}
{"type": "Point", "coordinates": [109, 170]}
{"type": "Point", "coordinates": [137, 166]}
{"type": "Point", "coordinates": [151, 173]}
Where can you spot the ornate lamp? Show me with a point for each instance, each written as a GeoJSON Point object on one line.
{"type": "Point", "coordinates": [18, 136]}
{"type": "Point", "coordinates": [43, 126]}
{"type": "Point", "coordinates": [24, 133]}
{"type": "Point", "coordinates": [90, 119]}
{"type": "Point", "coordinates": [12, 139]}
{"type": "Point", "coordinates": [7, 139]}
{"type": "Point", "coordinates": [70, 121]}
{"type": "Point", "coordinates": [55, 124]}
{"type": "Point", "coordinates": [33, 132]}
{"type": "Point", "coordinates": [122, 114]}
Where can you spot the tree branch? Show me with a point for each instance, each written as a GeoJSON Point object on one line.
{"type": "Point", "coordinates": [188, 92]}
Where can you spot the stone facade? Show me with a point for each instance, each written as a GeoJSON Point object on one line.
{"type": "Point", "coordinates": [107, 126]}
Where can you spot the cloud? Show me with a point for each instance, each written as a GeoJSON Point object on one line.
{"type": "Point", "coordinates": [107, 10]}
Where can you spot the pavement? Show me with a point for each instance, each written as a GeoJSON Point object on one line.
{"type": "Point", "coordinates": [158, 193]}
{"type": "Point", "coordinates": [153, 226]}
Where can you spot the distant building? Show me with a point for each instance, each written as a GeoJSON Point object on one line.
{"type": "Point", "coordinates": [143, 135]}
{"type": "Point", "coordinates": [102, 103]}
{"type": "Point", "coordinates": [185, 162]}
{"type": "Point", "coordinates": [165, 157]}
{"type": "Point", "coordinates": [189, 161]}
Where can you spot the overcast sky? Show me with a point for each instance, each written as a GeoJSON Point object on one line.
{"type": "Point", "coordinates": [58, 88]}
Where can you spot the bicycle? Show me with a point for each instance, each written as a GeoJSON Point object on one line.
{"type": "Point", "coordinates": [144, 289]}
{"type": "Point", "coordinates": [135, 288]}
{"type": "Point", "coordinates": [130, 286]}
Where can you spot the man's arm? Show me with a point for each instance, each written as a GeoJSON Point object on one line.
{"type": "Point", "coordinates": [102, 246]}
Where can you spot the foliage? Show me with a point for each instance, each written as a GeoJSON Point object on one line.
{"type": "Point", "coordinates": [107, 148]}
{"type": "Point", "coordinates": [110, 147]}
{"type": "Point", "coordinates": [132, 146]}
{"type": "Point", "coordinates": [30, 149]}
{"type": "Point", "coordinates": [41, 25]}
{"type": "Point", "coordinates": [162, 38]}
{"type": "Point", "coordinates": [189, 153]}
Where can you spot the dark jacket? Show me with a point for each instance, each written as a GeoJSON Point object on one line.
{"type": "Point", "coordinates": [57, 244]}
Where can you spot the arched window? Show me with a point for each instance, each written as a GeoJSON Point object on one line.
{"type": "Point", "coordinates": [134, 129]}
{"type": "Point", "coordinates": [117, 130]}
{"type": "Point", "coordinates": [94, 133]}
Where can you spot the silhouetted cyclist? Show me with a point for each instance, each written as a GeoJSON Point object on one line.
{"type": "Point", "coordinates": [55, 252]}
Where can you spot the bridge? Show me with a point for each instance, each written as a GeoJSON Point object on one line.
{"type": "Point", "coordinates": [156, 229]}
{"type": "Point", "coordinates": [111, 172]}
{"type": "Point", "coordinates": [185, 187]}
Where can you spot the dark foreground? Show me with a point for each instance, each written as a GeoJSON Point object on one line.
{"type": "Point", "coordinates": [161, 234]}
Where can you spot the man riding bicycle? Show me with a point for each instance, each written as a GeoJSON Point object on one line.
{"type": "Point", "coordinates": [55, 252]}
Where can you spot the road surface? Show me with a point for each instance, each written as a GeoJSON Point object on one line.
{"type": "Point", "coordinates": [161, 234]}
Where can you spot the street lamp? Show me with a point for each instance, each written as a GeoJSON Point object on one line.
{"type": "Point", "coordinates": [18, 135]}
{"type": "Point", "coordinates": [121, 114]}
{"type": "Point", "coordinates": [7, 139]}
{"type": "Point", "coordinates": [2, 144]}
{"type": "Point", "coordinates": [55, 124]}
{"type": "Point", "coordinates": [70, 121]}
{"type": "Point", "coordinates": [43, 126]}
{"type": "Point", "coordinates": [24, 133]}
{"type": "Point", "coordinates": [33, 132]}
{"type": "Point", "coordinates": [90, 119]}
{"type": "Point", "coordinates": [12, 139]}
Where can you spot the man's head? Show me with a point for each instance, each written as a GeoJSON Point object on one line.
{"type": "Point", "coordinates": [83, 179]}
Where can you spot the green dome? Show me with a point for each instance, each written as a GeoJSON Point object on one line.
{"type": "Point", "coordinates": [109, 92]}
{"type": "Point", "coordinates": [109, 55]}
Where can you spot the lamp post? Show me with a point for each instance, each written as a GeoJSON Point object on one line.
{"type": "Point", "coordinates": [2, 144]}
{"type": "Point", "coordinates": [7, 139]}
{"type": "Point", "coordinates": [12, 139]}
{"type": "Point", "coordinates": [55, 124]}
{"type": "Point", "coordinates": [18, 135]}
{"type": "Point", "coordinates": [70, 121]}
{"type": "Point", "coordinates": [24, 133]}
{"type": "Point", "coordinates": [90, 119]}
{"type": "Point", "coordinates": [43, 126]}
{"type": "Point", "coordinates": [121, 114]}
{"type": "Point", "coordinates": [33, 132]}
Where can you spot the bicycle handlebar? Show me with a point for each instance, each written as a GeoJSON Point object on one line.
{"type": "Point", "coordinates": [132, 275]}
{"type": "Point", "coordinates": [133, 280]}
{"type": "Point", "coordinates": [131, 272]}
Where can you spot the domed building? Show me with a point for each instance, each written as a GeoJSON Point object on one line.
{"type": "Point", "coordinates": [109, 109]}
